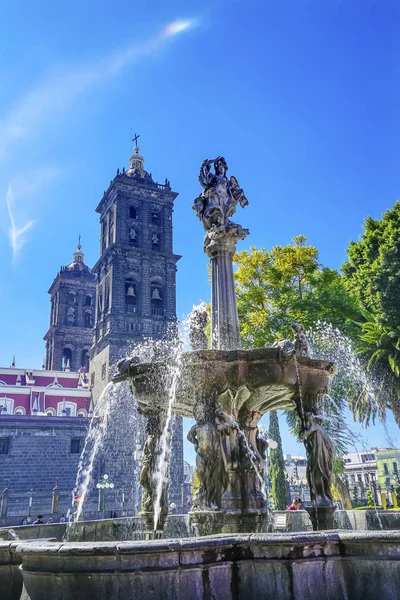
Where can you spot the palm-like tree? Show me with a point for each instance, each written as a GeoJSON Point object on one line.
{"type": "Point", "coordinates": [380, 344]}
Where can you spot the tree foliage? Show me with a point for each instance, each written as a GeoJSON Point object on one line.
{"type": "Point", "coordinates": [276, 469]}
{"type": "Point", "coordinates": [288, 284]}
{"type": "Point", "coordinates": [372, 271]}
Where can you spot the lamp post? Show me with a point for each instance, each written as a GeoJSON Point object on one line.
{"type": "Point", "coordinates": [30, 494]}
{"type": "Point", "coordinates": [103, 485]}
{"type": "Point", "coordinates": [270, 444]}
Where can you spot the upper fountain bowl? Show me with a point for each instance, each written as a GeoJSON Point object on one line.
{"type": "Point", "coordinates": [241, 380]}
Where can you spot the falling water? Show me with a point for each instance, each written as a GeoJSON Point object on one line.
{"type": "Point", "coordinates": [162, 469]}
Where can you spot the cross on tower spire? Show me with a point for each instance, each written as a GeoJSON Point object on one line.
{"type": "Point", "coordinates": [135, 139]}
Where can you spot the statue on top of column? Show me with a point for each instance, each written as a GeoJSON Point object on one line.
{"type": "Point", "coordinates": [218, 201]}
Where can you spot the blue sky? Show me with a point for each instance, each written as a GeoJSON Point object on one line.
{"type": "Point", "coordinates": [301, 97]}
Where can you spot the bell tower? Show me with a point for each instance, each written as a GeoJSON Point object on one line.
{"type": "Point", "coordinates": [69, 338]}
{"type": "Point", "coordinates": [136, 270]}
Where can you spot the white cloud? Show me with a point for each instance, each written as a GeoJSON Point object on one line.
{"type": "Point", "coordinates": [16, 234]}
{"type": "Point", "coordinates": [22, 190]}
{"type": "Point", "coordinates": [54, 95]}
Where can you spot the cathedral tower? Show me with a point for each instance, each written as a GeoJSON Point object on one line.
{"type": "Point", "coordinates": [136, 270]}
{"type": "Point", "coordinates": [70, 335]}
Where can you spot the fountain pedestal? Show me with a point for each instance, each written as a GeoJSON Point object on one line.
{"type": "Point", "coordinates": [321, 517]}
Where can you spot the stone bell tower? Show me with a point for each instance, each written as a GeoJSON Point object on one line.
{"type": "Point", "coordinates": [135, 300]}
{"type": "Point", "coordinates": [69, 337]}
{"type": "Point", "coordinates": [136, 269]}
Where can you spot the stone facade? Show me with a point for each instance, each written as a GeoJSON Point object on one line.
{"type": "Point", "coordinates": [70, 335]}
{"type": "Point", "coordinates": [135, 301]}
{"type": "Point", "coordinates": [40, 452]}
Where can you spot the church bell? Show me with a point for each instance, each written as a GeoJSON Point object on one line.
{"type": "Point", "coordinates": [131, 291]}
{"type": "Point", "coordinates": [156, 294]}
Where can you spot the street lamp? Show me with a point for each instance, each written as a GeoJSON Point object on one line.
{"type": "Point", "coordinates": [103, 485]}
{"type": "Point", "coordinates": [30, 494]}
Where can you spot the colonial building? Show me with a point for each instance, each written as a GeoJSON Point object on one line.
{"type": "Point", "coordinates": [70, 334]}
{"type": "Point", "coordinates": [101, 313]}
{"type": "Point", "coordinates": [136, 295]}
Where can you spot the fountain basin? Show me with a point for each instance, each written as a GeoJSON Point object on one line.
{"type": "Point", "coordinates": [259, 379]}
{"type": "Point", "coordinates": [10, 574]}
{"type": "Point", "coordinates": [306, 566]}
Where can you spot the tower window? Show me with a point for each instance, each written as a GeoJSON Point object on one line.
{"type": "Point", "coordinates": [130, 296]}
{"type": "Point", "coordinates": [132, 212]}
{"type": "Point", "coordinates": [103, 370]}
{"type": "Point", "coordinates": [76, 446]}
{"type": "Point", "coordinates": [88, 319]}
{"type": "Point", "coordinates": [155, 217]}
{"type": "Point", "coordinates": [155, 241]}
{"type": "Point", "coordinates": [133, 236]}
{"type": "Point", "coordinates": [67, 358]}
{"type": "Point", "coordinates": [157, 303]}
{"type": "Point", "coordinates": [88, 301]}
{"type": "Point", "coordinates": [85, 360]}
{"type": "Point", "coordinates": [4, 445]}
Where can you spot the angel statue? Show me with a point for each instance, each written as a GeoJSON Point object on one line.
{"type": "Point", "coordinates": [218, 201]}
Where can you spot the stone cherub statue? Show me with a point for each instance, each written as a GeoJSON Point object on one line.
{"type": "Point", "coordinates": [301, 345]}
{"type": "Point", "coordinates": [151, 451]}
{"type": "Point", "coordinates": [319, 451]}
{"type": "Point", "coordinates": [218, 201]}
{"type": "Point", "coordinates": [211, 463]}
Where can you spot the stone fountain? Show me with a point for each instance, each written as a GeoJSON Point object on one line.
{"type": "Point", "coordinates": [227, 389]}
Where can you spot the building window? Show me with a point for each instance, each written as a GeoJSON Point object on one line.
{"type": "Point", "coordinates": [155, 217]}
{"type": "Point", "coordinates": [155, 241]}
{"type": "Point", "coordinates": [88, 319]}
{"type": "Point", "coordinates": [130, 295]}
{"type": "Point", "coordinates": [67, 358]}
{"type": "Point", "coordinates": [92, 379]}
{"type": "Point", "coordinates": [157, 303]}
{"type": "Point", "coordinates": [385, 469]}
{"type": "Point", "coordinates": [387, 482]}
{"type": "Point", "coordinates": [103, 370]}
{"type": "Point", "coordinates": [85, 360]}
{"type": "Point", "coordinates": [132, 212]}
{"type": "Point", "coordinates": [4, 445]}
{"type": "Point", "coordinates": [88, 301]}
{"type": "Point", "coordinates": [133, 236]}
{"type": "Point", "coordinates": [76, 446]}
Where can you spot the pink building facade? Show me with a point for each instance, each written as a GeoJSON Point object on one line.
{"type": "Point", "coordinates": [26, 392]}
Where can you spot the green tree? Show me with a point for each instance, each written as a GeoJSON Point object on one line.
{"type": "Point", "coordinates": [370, 499]}
{"type": "Point", "coordinates": [276, 469]}
{"type": "Point", "coordinates": [356, 497]}
{"type": "Point", "coordinates": [288, 284]}
{"type": "Point", "coordinates": [372, 271]}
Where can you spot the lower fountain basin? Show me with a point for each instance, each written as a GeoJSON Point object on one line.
{"type": "Point", "coordinates": [305, 566]}
{"type": "Point", "coordinates": [258, 379]}
{"type": "Point", "coordinates": [10, 574]}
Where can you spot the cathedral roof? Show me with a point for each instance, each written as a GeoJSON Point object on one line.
{"type": "Point", "coordinates": [77, 267]}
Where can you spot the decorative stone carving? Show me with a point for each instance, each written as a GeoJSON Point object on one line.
{"type": "Point", "coordinates": [211, 466]}
{"type": "Point", "coordinates": [198, 321]}
{"type": "Point", "coordinates": [150, 457]}
{"type": "Point", "coordinates": [319, 451]}
{"type": "Point", "coordinates": [213, 207]}
{"type": "Point", "coordinates": [221, 195]}
{"type": "Point", "coordinates": [301, 345]}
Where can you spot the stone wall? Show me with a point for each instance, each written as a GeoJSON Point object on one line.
{"type": "Point", "coordinates": [39, 454]}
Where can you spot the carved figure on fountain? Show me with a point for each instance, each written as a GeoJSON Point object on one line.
{"type": "Point", "coordinates": [300, 341]}
{"type": "Point", "coordinates": [198, 321]}
{"type": "Point", "coordinates": [319, 451]}
{"type": "Point", "coordinates": [211, 465]}
{"type": "Point", "coordinates": [151, 453]}
{"type": "Point", "coordinates": [217, 203]}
